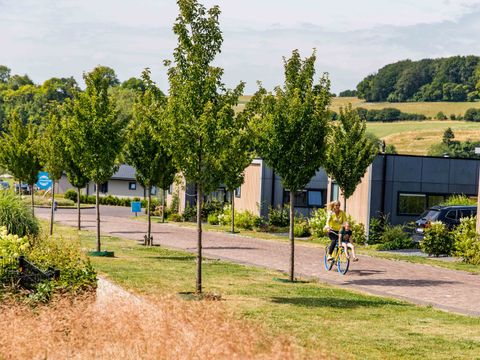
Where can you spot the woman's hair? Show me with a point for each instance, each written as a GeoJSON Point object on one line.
{"type": "Point", "coordinates": [332, 204]}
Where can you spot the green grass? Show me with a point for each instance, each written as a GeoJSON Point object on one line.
{"type": "Point", "coordinates": [316, 315]}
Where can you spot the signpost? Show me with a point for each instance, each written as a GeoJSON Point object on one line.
{"type": "Point", "coordinates": [44, 182]}
{"type": "Point", "coordinates": [136, 207]}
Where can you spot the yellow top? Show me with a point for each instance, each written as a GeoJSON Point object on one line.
{"type": "Point", "coordinates": [335, 221]}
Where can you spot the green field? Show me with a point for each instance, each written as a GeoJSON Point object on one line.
{"type": "Point", "coordinates": [315, 315]}
{"type": "Point", "coordinates": [413, 137]}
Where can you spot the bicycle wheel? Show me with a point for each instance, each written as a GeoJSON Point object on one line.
{"type": "Point", "coordinates": [327, 263]}
{"type": "Point", "coordinates": [343, 262]}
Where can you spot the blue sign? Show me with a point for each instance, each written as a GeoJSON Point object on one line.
{"type": "Point", "coordinates": [136, 206]}
{"type": "Point", "coordinates": [44, 182]}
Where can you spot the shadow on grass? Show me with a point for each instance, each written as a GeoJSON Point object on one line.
{"type": "Point", "coordinates": [333, 302]}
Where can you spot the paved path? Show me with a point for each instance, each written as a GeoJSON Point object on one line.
{"type": "Point", "coordinates": [445, 289]}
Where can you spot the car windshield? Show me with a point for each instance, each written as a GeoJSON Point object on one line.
{"type": "Point", "coordinates": [430, 215]}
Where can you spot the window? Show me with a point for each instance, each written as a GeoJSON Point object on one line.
{"type": "Point", "coordinates": [170, 189]}
{"type": "Point", "coordinates": [103, 188]}
{"type": "Point", "coordinates": [334, 194]}
{"type": "Point", "coordinates": [433, 200]}
{"type": "Point", "coordinates": [452, 215]}
{"type": "Point", "coordinates": [238, 192]}
{"type": "Point", "coordinates": [132, 185]}
{"type": "Point", "coordinates": [315, 198]}
{"type": "Point", "coordinates": [411, 204]}
{"type": "Point", "coordinates": [153, 191]}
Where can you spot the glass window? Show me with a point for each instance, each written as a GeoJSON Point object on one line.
{"type": "Point", "coordinates": [452, 215]}
{"type": "Point", "coordinates": [435, 200]}
{"type": "Point", "coordinates": [335, 192]}
{"type": "Point", "coordinates": [238, 192]}
{"type": "Point", "coordinates": [411, 204]}
{"type": "Point", "coordinates": [104, 188]}
{"type": "Point", "coordinates": [315, 198]}
{"type": "Point", "coordinates": [154, 190]}
{"type": "Point", "coordinates": [301, 198]}
{"type": "Point", "coordinates": [132, 185]}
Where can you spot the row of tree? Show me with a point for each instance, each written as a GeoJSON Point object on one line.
{"type": "Point", "coordinates": [456, 78]}
{"type": "Point", "coordinates": [196, 131]}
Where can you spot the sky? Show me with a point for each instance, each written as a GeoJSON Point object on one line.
{"type": "Point", "coordinates": [352, 38]}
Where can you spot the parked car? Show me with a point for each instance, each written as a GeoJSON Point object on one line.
{"type": "Point", "coordinates": [449, 215]}
{"type": "Point", "coordinates": [4, 185]}
{"type": "Point", "coordinates": [22, 189]}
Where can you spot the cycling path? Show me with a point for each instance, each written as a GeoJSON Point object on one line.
{"type": "Point", "coordinates": [445, 289]}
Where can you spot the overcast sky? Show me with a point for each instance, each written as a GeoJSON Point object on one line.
{"type": "Point", "coordinates": [46, 38]}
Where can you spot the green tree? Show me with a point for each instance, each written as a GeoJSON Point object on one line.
{"type": "Point", "coordinates": [19, 153]}
{"type": "Point", "coordinates": [200, 107]}
{"type": "Point", "coordinates": [292, 128]}
{"type": "Point", "coordinates": [350, 152]}
{"type": "Point", "coordinates": [52, 151]}
{"type": "Point", "coordinates": [146, 152]}
{"type": "Point", "coordinates": [97, 130]}
{"type": "Point", "coordinates": [237, 155]}
{"type": "Point", "coordinates": [448, 136]}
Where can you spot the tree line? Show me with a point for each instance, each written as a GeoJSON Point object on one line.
{"type": "Point", "coordinates": [194, 130]}
{"type": "Point", "coordinates": [455, 78]}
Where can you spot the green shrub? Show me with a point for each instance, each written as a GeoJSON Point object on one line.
{"type": "Point", "coordinates": [467, 241]}
{"type": "Point", "coordinates": [211, 206]}
{"type": "Point", "coordinates": [376, 231]}
{"type": "Point", "coordinates": [247, 220]}
{"type": "Point", "coordinates": [358, 232]}
{"type": "Point", "coordinates": [175, 217]}
{"type": "Point", "coordinates": [394, 237]}
{"type": "Point", "coordinates": [459, 200]}
{"type": "Point", "coordinates": [12, 246]}
{"type": "Point", "coordinates": [190, 213]}
{"type": "Point", "coordinates": [317, 221]}
{"type": "Point", "coordinates": [212, 219]}
{"type": "Point", "coordinates": [70, 194]}
{"type": "Point", "coordinates": [437, 240]}
{"type": "Point", "coordinates": [279, 216]}
{"type": "Point", "coordinates": [301, 228]}
{"type": "Point", "coordinates": [76, 272]}
{"type": "Point", "coordinates": [16, 216]}
{"type": "Point", "coordinates": [225, 217]}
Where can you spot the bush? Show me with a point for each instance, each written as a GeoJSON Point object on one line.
{"type": "Point", "coordinates": [458, 200]}
{"type": "Point", "coordinates": [472, 114]}
{"type": "Point", "coordinates": [467, 241]}
{"type": "Point", "coordinates": [437, 240]}
{"type": "Point", "coordinates": [212, 219]}
{"type": "Point", "coordinates": [318, 220]}
{"type": "Point", "coordinates": [212, 206]}
{"type": "Point", "coordinates": [12, 246]}
{"type": "Point", "coordinates": [358, 232]}
{"type": "Point", "coordinates": [175, 217]}
{"type": "Point", "coordinates": [441, 116]}
{"type": "Point", "coordinates": [246, 220]}
{"type": "Point", "coordinates": [376, 231]}
{"type": "Point", "coordinates": [279, 216]}
{"type": "Point", "coordinates": [190, 213]}
{"type": "Point", "coordinates": [16, 216]}
{"type": "Point", "coordinates": [225, 217]}
{"type": "Point", "coordinates": [70, 194]}
{"type": "Point", "coordinates": [394, 238]}
{"type": "Point", "coordinates": [301, 228]}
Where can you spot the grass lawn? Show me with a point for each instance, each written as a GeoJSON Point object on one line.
{"type": "Point", "coordinates": [317, 316]}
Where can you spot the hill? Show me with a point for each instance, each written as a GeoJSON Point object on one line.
{"type": "Point", "coordinates": [455, 78]}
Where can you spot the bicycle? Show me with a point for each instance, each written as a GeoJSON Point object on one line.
{"type": "Point", "coordinates": [339, 258]}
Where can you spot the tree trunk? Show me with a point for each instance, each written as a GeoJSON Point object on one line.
{"type": "Point", "coordinates": [78, 208]}
{"type": "Point", "coordinates": [233, 211]}
{"type": "Point", "coordinates": [149, 230]}
{"type": "Point", "coordinates": [163, 205]}
{"type": "Point", "coordinates": [33, 198]}
{"type": "Point", "coordinates": [199, 239]}
{"type": "Point", "coordinates": [97, 206]}
{"type": "Point", "coordinates": [291, 236]}
{"type": "Point", "coordinates": [52, 207]}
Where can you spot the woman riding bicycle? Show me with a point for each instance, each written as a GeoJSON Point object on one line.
{"type": "Point", "coordinates": [335, 220]}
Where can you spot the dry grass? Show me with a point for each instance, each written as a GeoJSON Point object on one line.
{"type": "Point", "coordinates": [418, 142]}
{"type": "Point", "coordinates": [121, 329]}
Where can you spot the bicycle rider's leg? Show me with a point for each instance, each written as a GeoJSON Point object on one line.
{"type": "Point", "coordinates": [345, 245]}
{"type": "Point", "coordinates": [333, 241]}
{"type": "Point", "coordinates": [350, 245]}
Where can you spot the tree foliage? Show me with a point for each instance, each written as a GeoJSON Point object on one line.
{"type": "Point", "coordinates": [200, 107]}
{"type": "Point", "coordinates": [445, 79]}
{"type": "Point", "coordinates": [350, 151]}
{"type": "Point", "coordinates": [292, 128]}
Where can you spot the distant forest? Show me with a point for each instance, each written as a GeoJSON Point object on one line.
{"type": "Point", "coordinates": [455, 78]}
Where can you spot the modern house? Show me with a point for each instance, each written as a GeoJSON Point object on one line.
{"type": "Point", "coordinates": [403, 186]}
{"type": "Point", "coordinates": [261, 189]}
{"type": "Point", "coordinates": [121, 184]}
